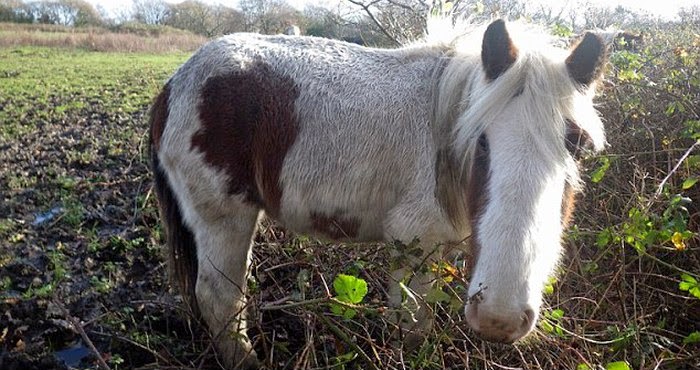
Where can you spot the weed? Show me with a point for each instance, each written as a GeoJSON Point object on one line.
{"type": "Point", "coordinates": [689, 284]}
{"type": "Point", "coordinates": [348, 289]}
{"type": "Point", "coordinates": [551, 323]}
{"type": "Point", "coordinates": [5, 283]}
{"type": "Point", "coordinates": [101, 284]}
{"type": "Point", "coordinates": [74, 211]}
{"type": "Point", "coordinates": [19, 182]}
{"type": "Point", "coordinates": [6, 226]}
{"type": "Point", "coordinates": [120, 244]}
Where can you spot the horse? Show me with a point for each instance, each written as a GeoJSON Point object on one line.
{"type": "Point", "coordinates": [469, 143]}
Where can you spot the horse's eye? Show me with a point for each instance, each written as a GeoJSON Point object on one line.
{"type": "Point", "coordinates": [577, 140]}
{"type": "Point", "coordinates": [483, 144]}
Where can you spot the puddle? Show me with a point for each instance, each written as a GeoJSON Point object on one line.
{"type": "Point", "coordinates": [72, 356]}
{"type": "Point", "coordinates": [42, 218]}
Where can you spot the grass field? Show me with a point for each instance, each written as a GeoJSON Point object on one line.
{"type": "Point", "coordinates": [81, 244]}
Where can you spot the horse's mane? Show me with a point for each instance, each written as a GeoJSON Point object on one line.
{"type": "Point", "coordinates": [538, 74]}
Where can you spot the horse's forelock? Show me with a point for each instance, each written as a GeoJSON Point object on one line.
{"type": "Point", "coordinates": [538, 68]}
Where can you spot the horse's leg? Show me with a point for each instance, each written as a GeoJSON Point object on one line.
{"type": "Point", "coordinates": [223, 254]}
{"type": "Point", "coordinates": [411, 282]}
{"type": "Point", "coordinates": [415, 221]}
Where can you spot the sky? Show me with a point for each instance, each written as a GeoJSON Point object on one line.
{"type": "Point", "coordinates": [666, 8]}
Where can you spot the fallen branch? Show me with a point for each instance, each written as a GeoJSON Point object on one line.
{"type": "Point", "coordinates": [100, 361]}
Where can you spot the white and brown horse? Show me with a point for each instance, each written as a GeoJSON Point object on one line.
{"type": "Point", "coordinates": [472, 138]}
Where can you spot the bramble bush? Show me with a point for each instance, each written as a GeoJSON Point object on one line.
{"type": "Point", "coordinates": [636, 230]}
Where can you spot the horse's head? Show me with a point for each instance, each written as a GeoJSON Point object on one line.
{"type": "Point", "coordinates": [530, 113]}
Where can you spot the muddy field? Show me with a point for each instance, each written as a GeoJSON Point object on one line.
{"type": "Point", "coordinates": [82, 273]}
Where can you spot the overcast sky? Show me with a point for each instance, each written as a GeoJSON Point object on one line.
{"type": "Point", "coordinates": [664, 8]}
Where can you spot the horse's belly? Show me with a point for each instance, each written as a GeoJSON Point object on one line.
{"type": "Point", "coordinates": [332, 213]}
{"type": "Point", "coordinates": [345, 227]}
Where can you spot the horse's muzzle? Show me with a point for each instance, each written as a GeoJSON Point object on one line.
{"type": "Point", "coordinates": [500, 327]}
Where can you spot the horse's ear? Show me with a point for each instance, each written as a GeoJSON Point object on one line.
{"type": "Point", "coordinates": [585, 64]}
{"type": "Point", "coordinates": [497, 50]}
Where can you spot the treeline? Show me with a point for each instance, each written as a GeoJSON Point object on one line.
{"type": "Point", "coordinates": [375, 22]}
{"type": "Point", "coordinates": [64, 12]}
{"type": "Point", "coordinates": [263, 16]}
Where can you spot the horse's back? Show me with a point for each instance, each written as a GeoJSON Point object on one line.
{"type": "Point", "coordinates": [324, 135]}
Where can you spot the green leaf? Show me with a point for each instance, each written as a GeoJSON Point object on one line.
{"type": "Point", "coordinates": [437, 295]}
{"type": "Point", "coordinates": [557, 314]}
{"type": "Point", "coordinates": [583, 367]}
{"type": "Point", "coordinates": [599, 172]}
{"type": "Point", "coordinates": [689, 182]}
{"type": "Point", "coordinates": [346, 312]}
{"type": "Point", "coordinates": [546, 326]}
{"type": "Point", "coordinates": [350, 289]}
{"type": "Point", "coordinates": [549, 285]}
{"type": "Point", "coordinates": [692, 338]}
{"type": "Point", "coordinates": [693, 161]}
{"type": "Point", "coordinates": [695, 291]}
{"type": "Point", "coordinates": [345, 357]}
{"type": "Point", "coordinates": [689, 279]}
{"type": "Point", "coordinates": [618, 365]}
{"type": "Point", "coordinates": [604, 237]}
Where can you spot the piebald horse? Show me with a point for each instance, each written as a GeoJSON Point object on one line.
{"type": "Point", "coordinates": [474, 138]}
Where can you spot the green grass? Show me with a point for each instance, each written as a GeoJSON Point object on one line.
{"type": "Point", "coordinates": [44, 84]}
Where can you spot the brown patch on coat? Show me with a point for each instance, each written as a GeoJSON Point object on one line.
{"type": "Point", "coordinates": [587, 59]}
{"type": "Point", "coordinates": [159, 116]}
{"type": "Point", "coordinates": [568, 204]}
{"type": "Point", "coordinates": [577, 140]}
{"type": "Point", "coordinates": [477, 193]}
{"type": "Point", "coordinates": [336, 226]}
{"type": "Point", "coordinates": [450, 189]}
{"type": "Point", "coordinates": [477, 181]}
{"type": "Point", "coordinates": [248, 125]}
{"type": "Point", "coordinates": [462, 194]}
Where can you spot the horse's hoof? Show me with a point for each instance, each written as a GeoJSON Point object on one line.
{"type": "Point", "coordinates": [237, 356]}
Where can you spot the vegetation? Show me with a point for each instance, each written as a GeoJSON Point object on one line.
{"type": "Point", "coordinates": [125, 38]}
{"type": "Point", "coordinates": [80, 236]}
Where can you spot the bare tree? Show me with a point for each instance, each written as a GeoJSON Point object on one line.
{"type": "Point", "coordinates": [65, 12]}
{"type": "Point", "coordinates": [690, 15]}
{"type": "Point", "coordinates": [204, 19]}
{"type": "Point", "coordinates": [269, 16]}
{"type": "Point", "coordinates": [323, 22]}
{"type": "Point", "coordinates": [15, 11]}
{"type": "Point", "coordinates": [150, 12]}
{"type": "Point", "coordinates": [404, 20]}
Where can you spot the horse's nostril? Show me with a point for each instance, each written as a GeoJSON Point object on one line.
{"type": "Point", "coordinates": [528, 319]}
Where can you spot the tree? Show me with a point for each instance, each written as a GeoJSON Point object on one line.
{"type": "Point", "coordinates": [402, 21]}
{"type": "Point", "coordinates": [690, 15]}
{"type": "Point", "coordinates": [65, 12]}
{"type": "Point", "coordinates": [151, 12]}
{"type": "Point", "coordinates": [15, 11]}
{"type": "Point", "coordinates": [204, 19]}
{"type": "Point", "coordinates": [269, 16]}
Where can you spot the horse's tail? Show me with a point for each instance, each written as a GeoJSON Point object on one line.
{"type": "Point", "coordinates": [181, 248]}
